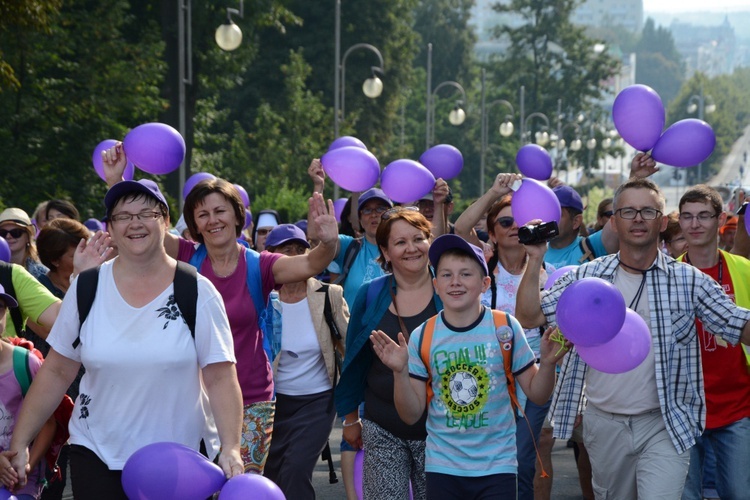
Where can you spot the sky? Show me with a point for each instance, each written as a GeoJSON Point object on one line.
{"type": "Point", "coordinates": [695, 5]}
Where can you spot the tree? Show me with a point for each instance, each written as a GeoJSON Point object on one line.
{"type": "Point", "coordinates": [659, 63]}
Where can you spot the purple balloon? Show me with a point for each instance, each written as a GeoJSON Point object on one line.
{"type": "Point", "coordinates": [96, 158]}
{"type": "Point", "coordinates": [534, 161]}
{"type": "Point", "coordinates": [590, 312]}
{"type": "Point", "coordinates": [248, 219]}
{"type": "Point", "coordinates": [251, 485]}
{"type": "Point", "coordinates": [352, 168]}
{"type": "Point", "coordinates": [155, 148]}
{"type": "Point", "coordinates": [6, 495]}
{"type": "Point", "coordinates": [443, 160]}
{"type": "Point", "coordinates": [639, 116]}
{"type": "Point", "coordinates": [534, 200]}
{"type": "Point", "coordinates": [243, 194]}
{"type": "Point", "coordinates": [625, 351]}
{"type": "Point", "coordinates": [170, 471]}
{"type": "Point", "coordinates": [359, 465]}
{"type": "Point", "coordinates": [557, 273]}
{"type": "Point", "coordinates": [193, 180]}
{"type": "Point", "coordinates": [4, 250]}
{"type": "Point", "coordinates": [685, 144]}
{"type": "Point", "coordinates": [338, 207]}
{"type": "Point", "coordinates": [406, 180]}
{"type": "Point", "coordinates": [346, 141]}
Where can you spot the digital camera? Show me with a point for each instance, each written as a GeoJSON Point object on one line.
{"type": "Point", "coordinates": [540, 233]}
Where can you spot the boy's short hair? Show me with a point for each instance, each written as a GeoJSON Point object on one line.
{"type": "Point", "coordinates": [456, 245]}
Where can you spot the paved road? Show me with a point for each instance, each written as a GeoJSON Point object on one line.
{"type": "Point", "coordinates": [564, 487]}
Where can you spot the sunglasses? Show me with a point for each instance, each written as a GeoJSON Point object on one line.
{"type": "Point", "coordinates": [395, 210]}
{"type": "Point", "coordinates": [608, 213]}
{"type": "Point", "coordinates": [505, 222]}
{"type": "Point", "coordinates": [16, 233]}
{"type": "Point", "coordinates": [263, 232]}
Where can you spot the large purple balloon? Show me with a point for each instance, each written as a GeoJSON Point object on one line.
{"type": "Point", "coordinates": [338, 207]}
{"type": "Point", "coordinates": [406, 180]}
{"type": "Point", "coordinates": [346, 141]}
{"type": "Point", "coordinates": [590, 312]}
{"type": "Point", "coordinates": [155, 148]}
{"type": "Point", "coordinates": [685, 144]}
{"type": "Point", "coordinates": [96, 158]}
{"type": "Point", "coordinates": [639, 116]}
{"type": "Point", "coordinates": [443, 160]}
{"type": "Point", "coordinates": [4, 250]}
{"type": "Point", "coordinates": [352, 168]}
{"type": "Point", "coordinates": [556, 274]}
{"type": "Point", "coordinates": [534, 161]}
{"type": "Point", "coordinates": [243, 194]}
{"type": "Point", "coordinates": [193, 180]}
{"type": "Point", "coordinates": [170, 471]}
{"type": "Point", "coordinates": [251, 485]}
{"type": "Point", "coordinates": [534, 200]}
{"type": "Point", "coordinates": [625, 351]}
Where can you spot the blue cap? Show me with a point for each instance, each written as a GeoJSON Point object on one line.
{"type": "Point", "coordinates": [568, 197]}
{"type": "Point", "coordinates": [94, 225]}
{"type": "Point", "coordinates": [373, 193]}
{"type": "Point", "coordinates": [8, 299]}
{"type": "Point", "coordinates": [124, 188]}
{"type": "Point", "coordinates": [451, 241]}
{"type": "Point", "coordinates": [302, 224]}
{"type": "Point", "coordinates": [284, 233]}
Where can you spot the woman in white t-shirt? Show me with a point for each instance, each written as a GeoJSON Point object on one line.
{"type": "Point", "coordinates": [143, 367]}
{"type": "Point", "coordinates": [304, 370]}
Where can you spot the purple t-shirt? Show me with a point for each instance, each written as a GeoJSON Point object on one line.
{"type": "Point", "coordinates": [253, 367]}
{"type": "Point", "coordinates": [10, 406]}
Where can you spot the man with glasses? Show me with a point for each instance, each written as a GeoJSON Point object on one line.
{"type": "Point", "coordinates": [639, 425]}
{"type": "Point", "coordinates": [725, 370]}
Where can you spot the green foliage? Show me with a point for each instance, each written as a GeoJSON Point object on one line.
{"type": "Point", "coordinates": [659, 63]}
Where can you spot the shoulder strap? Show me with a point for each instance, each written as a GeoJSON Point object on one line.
{"type": "Point", "coordinates": [500, 320]}
{"type": "Point", "coordinates": [588, 251]}
{"type": "Point", "coordinates": [186, 293]}
{"type": "Point", "coordinates": [351, 253]}
{"type": "Point", "coordinates": [21, 368]}
{"type": "Point", "coordinates": [328, 313]}
{"type": "Point", "coordinates": [6, 279]}
{"type": "Point", "coordinates": [254, 282]}
{"type": "Point", "coordinates": [425, 342]}
{"type": "Point", "coordinates": [86, 286]}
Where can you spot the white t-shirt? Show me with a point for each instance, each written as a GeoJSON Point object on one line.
{"type": "Point", "coordinates": [142, 383]}
{"type": "Point", "coordinates": [301, 370]}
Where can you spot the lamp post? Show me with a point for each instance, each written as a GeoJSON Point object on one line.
{"type": "Point", "coordinates": [456, 116]}
{"type": "Point", "coordinates": [506, 129]}
{"type": "Point", "coordinates": [372, 87]}
{"type": "Point", "coordinates": [228, 36]}
{"type": "Point", "coordinates": [185, 77]}
{"type": "Point", "coordinates": [542, 136]}
{"type": "Point", "coordinates": [698, 102]}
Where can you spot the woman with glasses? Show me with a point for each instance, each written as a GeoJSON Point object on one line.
{"type": "Point", "coordinates": [603, 213]}
{"type": "Point", "coordinates": [305, 369]}
{"type": "Point", "coordinates": [397, 302]}
{"type": "Point", "coordinates": [144, 365]}
{"type": "Point", "coordinates": [215, 215]}
{"type": "Point", "coordinates": [16, 228]}
{"type": "Point", "coordinates": [507, 265]}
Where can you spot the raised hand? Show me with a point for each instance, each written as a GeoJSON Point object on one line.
{"type": "Point", "coordinates": [321, 216]}
{"type": "Point", "coordinates": [317, 174]}
{"type": "Point", "coordinates": [114, 162]}
{"type": "Point", "coordinates": [92, 252]}
{"type": "Point", "coordinates": [503, 182]}
{"type": "Point", "coordinates": [394, 356]}
{"type": "Point", "coordinates": [643, 166]}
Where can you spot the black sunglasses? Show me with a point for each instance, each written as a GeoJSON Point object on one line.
{"type": "Point", "coordinates": [505, 222]}
{"type": "Point", "coordinates": [608, 213]}
{"type": "Point", "coordinates": [15, 232]}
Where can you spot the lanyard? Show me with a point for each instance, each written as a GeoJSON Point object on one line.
{"type": "Point", "coordinates": [721, 269]}
{"type": "Point", "coordinates": [634, 303]}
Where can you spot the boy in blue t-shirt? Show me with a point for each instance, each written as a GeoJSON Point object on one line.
{"type": "Point", "coordinates": [471, 449]}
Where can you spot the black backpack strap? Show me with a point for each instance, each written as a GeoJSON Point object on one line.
{"type": "Point", "coordinates": [351, 253]}
{"type": "Point", "coordinates": [6, 279]}
{"type": "Point", "coordinates": [86, 286]}
{"type": "Point", "coordinates": [186, 293]}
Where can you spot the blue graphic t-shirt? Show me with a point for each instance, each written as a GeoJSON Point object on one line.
{"type": "Point", "coordinates": [470, 422]}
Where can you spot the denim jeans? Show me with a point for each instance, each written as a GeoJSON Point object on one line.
{"type": "Point", "coordinates": [731, 445]}
{"type": "Point", "coordinates": [526, 453]}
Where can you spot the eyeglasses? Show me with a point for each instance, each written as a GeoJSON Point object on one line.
{"type": "Point", "coordinates": [15, 232]}
{"type": "Point", "coordinates": [143, 216]}
{"type": "Point", "coordinates": [646, 213]}
{"type": "Point", "coordinates": [376, 210]}
{"type": "Point", "coordinates": [505, 222]}
{"type": "Point", "coordinates": [264, 231]}
{"type": "Point", "coordinates": [608, 213]}
{"type": "Point", "coordinates": [395, 210]}
{"type": "Point", "coordinates": [702, 217]}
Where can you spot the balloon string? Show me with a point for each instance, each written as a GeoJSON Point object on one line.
{"type": "Point", "coordinates": [557, 336]}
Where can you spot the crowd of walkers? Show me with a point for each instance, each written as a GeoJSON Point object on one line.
{"type": "Point", "coordinates": [431, 339]}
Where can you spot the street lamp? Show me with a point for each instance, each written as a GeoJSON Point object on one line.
{"type": "Point", "coordinates": [702, 104]}
{"type": "Point", "coordinates": [229, 36]}
{"type": "Point", "coordinates": [455, 117]}
{"type": "Point", "coordinates": [506, 129]}
{"type": "Point", "coordinates": [542, 136]}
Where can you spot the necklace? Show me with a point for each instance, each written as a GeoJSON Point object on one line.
{"type": "Point", "coordinates": [229, 270]}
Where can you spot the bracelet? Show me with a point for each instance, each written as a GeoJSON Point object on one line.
{"type": "Point", "coordinates": [358, 421]}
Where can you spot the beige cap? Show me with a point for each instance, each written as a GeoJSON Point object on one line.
{"type": "Point", "coordinates": [15, 215]}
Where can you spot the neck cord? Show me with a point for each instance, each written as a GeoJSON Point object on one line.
{"type": "Point", "coordinates": [634, 303]}
{"type": "Point", "coordinates": [721, 268]}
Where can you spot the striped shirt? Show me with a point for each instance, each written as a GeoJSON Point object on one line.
{"type": "Point", "coordinates": [677, 294]}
